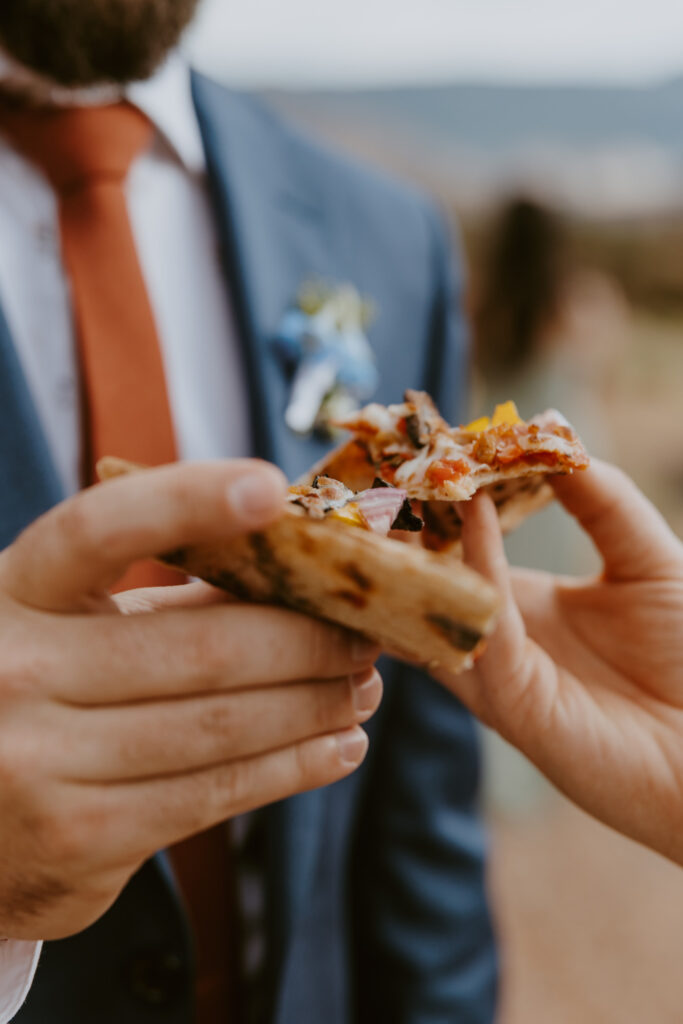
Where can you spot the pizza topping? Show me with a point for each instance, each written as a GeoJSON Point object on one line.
{"type": "Point", "coordinates": [505, 413]}
{"type": "Point", "coordinates": [376, 509]}
{"type": "Point", "coordinates": [485, 448]}
{"type": "Point", "coordinates": [414, 430]}
{"type": "Point", "coordinates": [381, 506]}
{"type": "Point", "coordinates": [411, 447]}
{"type": "Point", "coordinates": [447, 469]}
{"type": "Point", "coordinates": [321, 497]}
{"type": "Point", "coordinates": [407, 519]}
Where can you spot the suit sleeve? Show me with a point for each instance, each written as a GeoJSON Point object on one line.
{"type": "Point", "coordinates": [423, 945]}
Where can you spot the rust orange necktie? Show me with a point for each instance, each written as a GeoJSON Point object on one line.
{"type": "Point", "coordinates": [86, 153]}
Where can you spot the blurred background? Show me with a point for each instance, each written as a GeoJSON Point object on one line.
{"type": "Point", "coordinates": [552, 135]}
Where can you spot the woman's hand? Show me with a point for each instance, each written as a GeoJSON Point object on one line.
{"type": "Point", "coordinates": [586, 677]}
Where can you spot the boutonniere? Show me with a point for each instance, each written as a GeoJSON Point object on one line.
{"type": "Point", "coordinates": [323, 342]}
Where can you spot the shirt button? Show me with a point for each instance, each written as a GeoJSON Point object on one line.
{"type": "Point", "coordinates": [156, 978]}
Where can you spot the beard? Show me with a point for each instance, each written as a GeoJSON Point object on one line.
{"type": "Point", "coordinates": [78, 43]}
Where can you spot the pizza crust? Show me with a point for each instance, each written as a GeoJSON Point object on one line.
{"type": "Point", "coordinates": [418, 605]}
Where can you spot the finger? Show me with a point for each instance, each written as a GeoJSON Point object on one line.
{"type": "Point", "coordinates": [156, 739]}
{"type": "Point", "coordinates": [86, 543]}
{"type": "Point", "coordinates": [488, 688]}
{"type": "Point", "coordinates": [630, 534]}
{"type": "Point", "coordinates": [153, 599]}
{"type": "Point", "coordinates": [114, 659]}
{"type": "Point", "coordinates": [482, 541]}
{"type": "Point", "coordinates": [141, 817]}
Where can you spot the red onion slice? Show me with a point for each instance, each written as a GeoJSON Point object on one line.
{"type": "Point", "coordinates": [380, 506]}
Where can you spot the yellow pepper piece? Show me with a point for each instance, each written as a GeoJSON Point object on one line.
{"type": "Point", "coordinates": [505, 413]}
{"type": "Point", "coordinates": [476, 426]}
{"type": "Point", "coordinates": [349, 514]}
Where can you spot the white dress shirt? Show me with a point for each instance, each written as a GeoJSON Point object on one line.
{"type": "Point", "coordinates": [178, 249]}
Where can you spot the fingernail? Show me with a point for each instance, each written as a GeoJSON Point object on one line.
{"type": "Point", "coordinates": [353, 745]}
{"type": "Point", "coordinates": [366, 691]}
{"type": "Point", "coordinates": [256, 496]}
{"type": "Point", "coordinates": [364, 650]}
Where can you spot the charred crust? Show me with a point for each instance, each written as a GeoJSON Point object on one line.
{"type": "Point", "coordinates": [176, 557]}
{"type": "Point", "coordinates": [461, 637]}
{"type": "Point", "coordinates": [277, 575]}
{"type": "Point", "coordinates": [351, 597]}
{"type": "Point", "coordinates": [230, 581]}
{"type": "Point", "coordinates": [351, 570]}
{"type": "Point", "coordinates": [306, 544]}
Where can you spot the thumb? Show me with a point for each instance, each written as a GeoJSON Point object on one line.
{"type": "Point", "coordinates": [633, 538]}
{"type": "Point", "coordinates": [85, 544]}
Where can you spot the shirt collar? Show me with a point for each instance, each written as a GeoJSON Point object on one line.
{"type": "Point", "coordinates": [165, 98]}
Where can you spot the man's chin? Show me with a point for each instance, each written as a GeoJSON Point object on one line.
{"type": "Point", "coordinates": [79, 44]}
{"type": "Point", "coordinates": [30, 87]}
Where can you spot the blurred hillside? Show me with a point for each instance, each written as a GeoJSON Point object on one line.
{"type": "Point", "coordinates": [610, 159]}
{"type": "Point", "coordinates": [602, 151]}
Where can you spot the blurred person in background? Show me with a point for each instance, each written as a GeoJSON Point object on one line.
{"type": "Point", "coordinates": [547, 332]}
{"type": "Point", "coordinates": [156, 229]}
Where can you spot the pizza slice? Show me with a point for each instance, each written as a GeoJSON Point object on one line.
{"type": "Point", "coordinates": [329, 555]}
{"type": "Point", "coordinates": [335, 553]}
{"type": "Point", "coordinates": [410, 446]}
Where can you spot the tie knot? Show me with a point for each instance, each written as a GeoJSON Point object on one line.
{"type": "Point", "coordinates": [78, 146]}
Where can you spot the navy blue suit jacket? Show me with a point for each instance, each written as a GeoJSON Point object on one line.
{"type": "Point", "coordinates": [375, 886]}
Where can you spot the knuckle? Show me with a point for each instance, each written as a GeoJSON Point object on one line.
{"type": "Point", "coordinates": [218, 720]}
{"type": "Point", "coordinates": [181, 493]}
{"type": "Point", "coordinates": [231, 786]}
{"type": "Point", "coordinates": [20, 757]}
{"type": "Point", "coordinates": [332, 705]}
{"type": "Point", "coordinates": [324, 646]}
{"type": "Point", "coordinates": [306, 766]}
{"type": "Point", "coordinates": [214, 650]}
{"type": "Point", "coordinates": [22, 671]}
{"type": "Point", "coordinates": [78, 528]}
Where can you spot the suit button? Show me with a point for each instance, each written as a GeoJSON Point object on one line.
{"type": "Point", "coordinates": [156, 978]}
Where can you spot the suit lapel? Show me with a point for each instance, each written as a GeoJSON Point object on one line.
{"type": "Point", "coordinates": [272, 239]}
{"type": "Point", "coordinates": [288, 214]}
{"type": "Point", "coordinates": [29, 484]}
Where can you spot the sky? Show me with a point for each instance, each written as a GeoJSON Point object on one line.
{"type": "Point", "coordinates": [351, 42]}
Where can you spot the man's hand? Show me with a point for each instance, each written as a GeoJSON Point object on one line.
{"type": "Point", "coordinates": [123, 733]}
{"type": "Point", "coordinates": [586, 678]}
